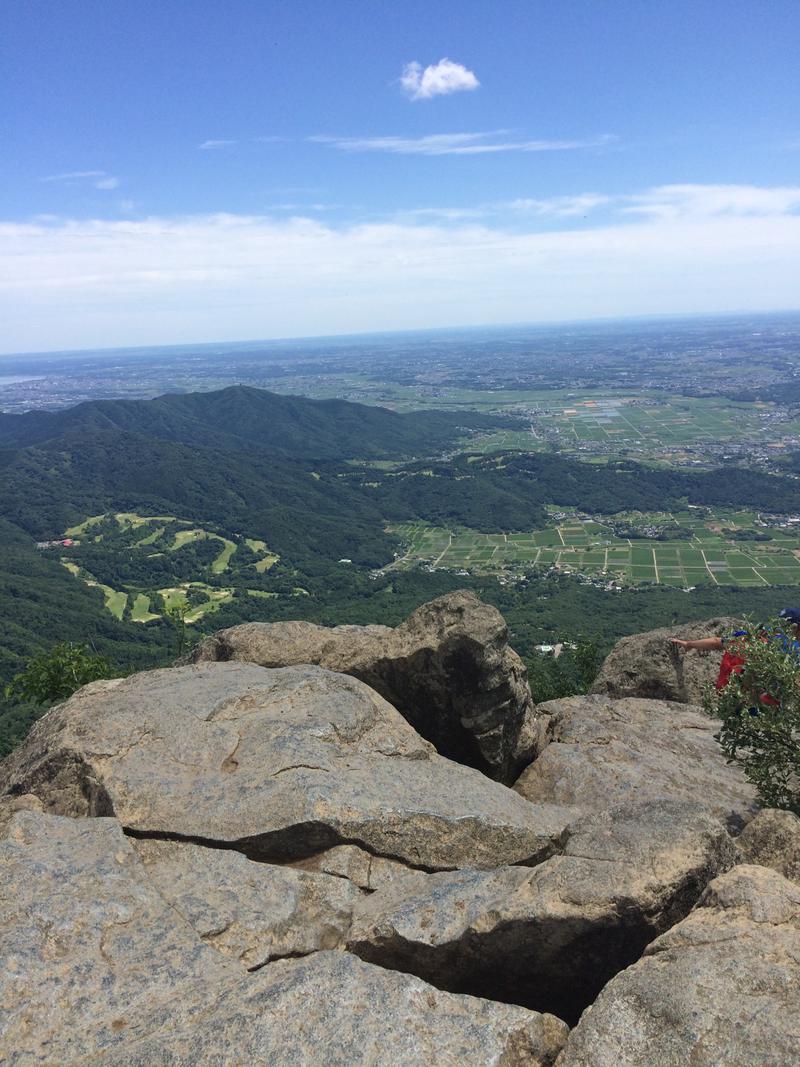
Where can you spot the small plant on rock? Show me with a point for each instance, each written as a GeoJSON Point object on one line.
{"type": "Point", "coordinates": [760, 712]}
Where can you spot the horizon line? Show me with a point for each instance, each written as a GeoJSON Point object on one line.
{"type": "Point", "coordinates": [298, 339]}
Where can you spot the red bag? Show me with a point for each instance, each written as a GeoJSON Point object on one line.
{"type": "Point", "coordinates": [732, 663]}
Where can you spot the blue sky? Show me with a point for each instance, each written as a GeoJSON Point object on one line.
{"type": "Point", "coordinates": [178, 171]}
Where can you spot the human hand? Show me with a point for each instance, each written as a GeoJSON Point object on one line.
{"type": "Point", "coordinates": [682, 645]}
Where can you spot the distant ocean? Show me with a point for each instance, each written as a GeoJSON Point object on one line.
{"type": "Point", "coordinates": [14, 379]}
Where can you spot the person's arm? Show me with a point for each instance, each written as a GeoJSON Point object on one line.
{"type": "Point", "coordinates": [702, 644]}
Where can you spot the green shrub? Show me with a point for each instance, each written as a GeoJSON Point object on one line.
{"type": "Point", "coordinates": [56, 674]}
{"type": "Point", "coordinates": [760, 713]}
{"type": "Point", "coordinates": [572, 673]}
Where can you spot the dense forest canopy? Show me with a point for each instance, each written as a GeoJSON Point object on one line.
{"type": "Point", "coordinates": [241, 417]}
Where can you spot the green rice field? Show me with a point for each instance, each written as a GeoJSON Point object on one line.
{"type": "Point", "coordinates": [652, 425]}
{"type": "Point", "coordinates": [580, 545]}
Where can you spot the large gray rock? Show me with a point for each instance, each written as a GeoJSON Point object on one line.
{"type": "Point", "coordinates": [772, 839]}
{"type": "Point", "coordinates": [254, 912]}
{"type": "Point", "coordinates": [98, 969]}
{"type": "Point", "coordinates": [647, 665]}
{"type": "Point", "coordinates": [550, 937]}
{"type": "Point", "coordinates": [448, 669]}
{"type": "Point", "coordinates": [91, 951]}
{"type": "Point", "coordinates": [332, 1009]}
{"type": "Point", "coordinates": [605, 752]}
{"type": "Point", "coordinates": [720, 989]}
{"type": "Point", "coordinates": [277, 763]}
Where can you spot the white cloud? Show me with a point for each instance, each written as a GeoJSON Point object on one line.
{"type": "Point", "coordinates": [456, 144]}
{"type": "Point", "coordinates": [210, 145]}
{"type": "Point", "coordinates": [74, 175]}
{"type": "Point", "coordinates": [674, 201]}
{"type": "Point", "coordinates": [300, 208]}
{"type": "Point", "coordinates": [558, 206]}
{"type": "Point", "coordinates": [98, 178]}
{"type": "Point", "coordinates": [101, 283]}
{"type": "Point", "coordinates": [439, 79]}
{"type": "Point", "coordinates": [446, 214]}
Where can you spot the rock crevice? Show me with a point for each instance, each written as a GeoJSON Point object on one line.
{"type": "Point", "coordinates": [448, 669]}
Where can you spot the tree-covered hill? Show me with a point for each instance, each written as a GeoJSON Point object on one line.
{"type": "Point", "coordinates": [626, 485]}
{"type": "Point", "coordinates": [47, 489]}
{"type": "Point", "coordinates": [241, 417]}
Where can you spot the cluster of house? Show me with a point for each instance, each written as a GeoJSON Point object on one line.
{"type": "Point", "coordinates": [780, 522]}
{"type": "Point", "coordinates": [556, 649]}
{"type": "Point", "coordinates": [65, 542]}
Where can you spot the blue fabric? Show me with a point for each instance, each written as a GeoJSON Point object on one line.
{"type": "Point", "coordinates": [790, 645]}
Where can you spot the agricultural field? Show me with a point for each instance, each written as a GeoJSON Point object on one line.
{"type": "Point", "coordinates": [579, 544]}
{"type": "Point", "coordinates": [123, 542]}
{"type": "Point", "coordinates": [647, 426]}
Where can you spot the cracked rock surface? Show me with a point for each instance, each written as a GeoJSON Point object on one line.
{"type": "Point", "coordinates": [605, 752]}
{"type": "Point", "coordinates": [364, 870]}
{"type": "Point", "coordinates": [280, 763]}
{"type": "Point", "coordinates": [448, 669]}
{"type": "Point", "coordinates": [720, 989]}
{"type": "Point", "coordinates": [254, 912]}
{"type": "Point", "coordinates": [99, 969]}
{"type": "Point", "coordinates": [553, 935]}
{"type": "Point", "coordinates": [223, 863]}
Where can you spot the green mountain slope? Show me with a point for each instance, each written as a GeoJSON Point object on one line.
{"type": "Point", "coordinates": [294, 507]}
{"type": "Point", "coordinates": [241, 417]}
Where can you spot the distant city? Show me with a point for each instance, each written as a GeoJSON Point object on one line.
{"type": "Point", "coordinates": [682, 392]}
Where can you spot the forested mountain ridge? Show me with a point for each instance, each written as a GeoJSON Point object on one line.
{"type": "Point", "coordinates": [45, 489]}
{"type": "Point", "coordinates": [241, 417]}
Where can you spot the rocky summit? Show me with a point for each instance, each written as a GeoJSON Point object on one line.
{"type": "Point", "coordinates": [448, 669]}
{"type": "Point", "coordinates": [302, 847]}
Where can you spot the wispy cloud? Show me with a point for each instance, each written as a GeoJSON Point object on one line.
{"type": "Point", "coordinates": [438, 79]}
{"type": "Point", "coordinates": [677, 201]}
{"type": "Point", "coordinates": [207, 146]}
{"type": "Point", "coordinates": [74, 175]}
{"type": "Point", "coordinates": [300, 207]}
{"type": "Point", "coordinates": [98, 178]}
{"type": "Point", "coordinates": [563, 207]}
{"type": "Point", "coordinates": [661, 202]}
{"type": "Point", "coordinates": [444, 214]}
{"type": "Point", "coordinates": [457, 144]}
